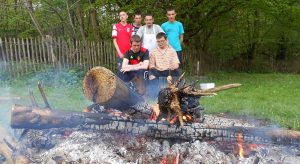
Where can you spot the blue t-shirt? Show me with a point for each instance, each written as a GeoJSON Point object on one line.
{"type": "Point", "coordinates": [173, 31]}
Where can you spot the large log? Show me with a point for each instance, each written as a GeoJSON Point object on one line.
{"type": "Point", "coordinates": [26, 117]}
{"type": "Point", "coordinates": [102, 86]}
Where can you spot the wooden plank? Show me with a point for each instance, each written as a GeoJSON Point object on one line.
{"type": "Point", "coordinates": [93, 53]}
{"type": "Point", "coordinates": [32, 54]}
{"type": "Point", "coordinates": [7, 55]}
{"type": "Point", "coordinates": [43, 42]}
{"type": "Point", "coordinates": [3, 55]}
{"type": "Point", "coordinates": [24, 55]}
{"type": "Point", "coordinates": [105, 56]}
{"type": "Point", "coordinates": [59, 53]}
{"type": "Point", "coordinates": [40, 44]}
{"type": "Point", "coordinates": [112, 52]}
{"type": "Point", "coordinates": [21, 71]}
{"type": "Point", "coordinates": [72, 53]}
{"type": "Point", "coordinates": [67, 53]}
{"type": "Point", "coordinates": [63, 52]}
{"type": "Point", "coordinates": [98, 54]}
{"type": "Point", "coordinates": [12, 64]}
{"type": "Point", "coordinates": [77, 53]}
{"type": "Point", "coordinates": [28, 53]}
{"type": "Point", "coordinates": [36, 54]}
{"type": "Point", "coordinates": [16, 58]}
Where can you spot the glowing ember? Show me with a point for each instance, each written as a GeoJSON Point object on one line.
{"type": "Point", "coordinates": [187, 118]}
{"type": "Point", "coordinates": [171, 159]}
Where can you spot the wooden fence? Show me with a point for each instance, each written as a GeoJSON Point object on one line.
{"type": "Point", "coordinates": [19, 56]}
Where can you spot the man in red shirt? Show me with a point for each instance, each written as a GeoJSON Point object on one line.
{"type": "Point", "coordinates": [135, 63]}
{"type": "Point", "coordinates": [121, 34]}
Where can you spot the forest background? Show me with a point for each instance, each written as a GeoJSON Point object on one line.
{"type": "Point", "coordinates": [252, 36]}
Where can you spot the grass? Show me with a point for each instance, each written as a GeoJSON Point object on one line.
{"type": "Point", "coordinates": [274, 97]}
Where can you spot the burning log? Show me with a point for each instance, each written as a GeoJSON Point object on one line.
{"type": "Point", "coordinates": [37, 118]}
{"type": "Point", "coordinates": [103, 87]}
{"type": "Point", "coordinates": [172, 99]}
{"type": "Point", "coordinates": [33, 118]}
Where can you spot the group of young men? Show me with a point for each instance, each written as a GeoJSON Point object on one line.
{"type": "Point", "coordinates": [153, 48]}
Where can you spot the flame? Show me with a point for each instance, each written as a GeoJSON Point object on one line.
{"type": "Point", "coordinates": [240, 142]}
{"type": "Point", "coordinates": [187, 118]}
{"type": "Point", "coordinates": [244, 149]}
{"type": "Point", "coordinates": [171, 159]}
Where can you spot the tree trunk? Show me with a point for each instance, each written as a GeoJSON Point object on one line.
{"type": "Point", "coordinates": [95, 25]}
{"type": "Point", "coordinates": [81, 22]}
{"type": "Point", "coordinates": [33, 18]}
{"type": "Point", "coordinates": [103, 87]}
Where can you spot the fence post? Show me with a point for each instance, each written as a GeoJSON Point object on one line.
{"type": "Point", "coordinates": [2, 54]}
{"type": "Point", "coordinates": [51, 51]}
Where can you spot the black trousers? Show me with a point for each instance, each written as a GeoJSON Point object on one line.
{"type": "Point", "coordinates": [166, 73]}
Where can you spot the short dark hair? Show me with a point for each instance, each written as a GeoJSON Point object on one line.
{"type": "Point", "coordinates": [149, 14]}
{"type": "Point", "coordinates": [170, 9]}
{"type": "Point", "coordinates": [160, 35]}
{"type": "Point", "coordinates": [135, 38]}
{"type": "Point", "coordinates": [137, 13]}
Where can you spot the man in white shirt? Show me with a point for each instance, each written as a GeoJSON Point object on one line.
{"type": "Point", "coordinates": [148, 32]}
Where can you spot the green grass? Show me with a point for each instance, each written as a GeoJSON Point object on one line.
{"type": "Point", "coordinates": [273, 97]}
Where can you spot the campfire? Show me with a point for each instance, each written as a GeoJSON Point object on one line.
{"type": "Point", "coordinates": [122, 128]}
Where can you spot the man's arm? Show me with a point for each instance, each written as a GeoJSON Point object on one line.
{"type": "Point", "coordinates": [174, 63]}
{"type": "Point", "coordinates": [181, 39]}
{"type": "Point", "coordinates": [127, 67]}
{"type": "Point", "coordinates": [181, 32]}
{"type": "Point", "coordinates": [117, 48]}
{"type": "Point", "coordinates": [151, 61]}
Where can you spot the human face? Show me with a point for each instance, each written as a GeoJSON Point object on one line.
{"type": "Point", "coordinates": [136, 46]}
{"type": "Point", "coordinates": [137, 20]}
{"type": "Point", "coordinates": [171, 15]}
{"type": "Point", "coordinates": [149, 21]}
{"type": "Point", "coordinates": [123, 16]}
{"type": "Point", "coordinates": [161, 42]}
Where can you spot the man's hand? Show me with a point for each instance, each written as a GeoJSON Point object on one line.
{"type": "Point", "coordinates": [123, 70]}
{"type": "Point", "coordinates": [120, 54]}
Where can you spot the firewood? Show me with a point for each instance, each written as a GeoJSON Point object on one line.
{"type": "Point", "coordinates": [169, 101]}
{"type": "Point", "coordinates": [41, 89]}
{"type": "Point", "coordinates": [102, 86]}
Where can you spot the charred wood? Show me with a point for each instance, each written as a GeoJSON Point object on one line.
{"type": "Point", "coordinates": [22, 117]}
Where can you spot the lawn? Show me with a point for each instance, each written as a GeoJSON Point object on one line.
{"type": "Point", "coordinates": [274, 97]}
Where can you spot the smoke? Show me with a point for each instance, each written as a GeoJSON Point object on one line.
{"type": "Point", "coordinates": [63, 89]}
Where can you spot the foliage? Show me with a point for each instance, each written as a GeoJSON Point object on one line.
{"type": "Point", "coordinates": [247, 33]}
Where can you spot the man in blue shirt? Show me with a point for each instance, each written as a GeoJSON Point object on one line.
{"type": "Point", "coordinates": [174, 30]}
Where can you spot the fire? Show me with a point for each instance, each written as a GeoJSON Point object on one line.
{"type": "Point", "coordinates": [240, 142]}
{"type": "Point", "coordinates": [171, 159]}
{"type": "Point", "coordinates": [187, 118]}
{"type": "Point", "coordinates": [244, 149]}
